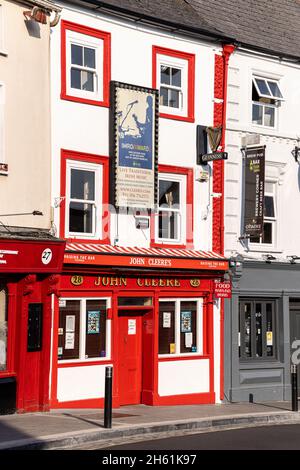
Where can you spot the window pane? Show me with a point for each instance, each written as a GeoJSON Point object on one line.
{"type": "Point", "coordinates": [269, 119]}
{"type": "Point", "coordinates": [76, 54]}
{"type": "Point", "coordinates": [169, 193]}
{"type": "Point", "coordinates": [87, 80]}
{"type": "Point", "coordinates": [174, 98]}
{"type": "Point", "coordinates": [176, 77]}
{"type": "Point", "coordinates": [166, 328]}
{"type": "Point", "coordinates": [258, 329]}
{"type": "Point", "coordinates": [168, 225]}
{"type": "Point", "coordinates": [257, 114]}
{"type": "Point", "coordinates": [262, 86]}
{"type": "Point", "coordinates": [82, 184]}
{"type": "Point", "coordinates": [95, 328]}
{"type": "Point", "coordinates": [247, 330]}
{"type": "Point", "coordinates": [3, 329]}
{"type": "Point", "coordinates": [269, 207]}
{"type": "Point", "coordinates": [163, 99]}
{"type": "Point", "coordinates": [267, 233]}
{"type": "Point", "coordinates": [81, 217]}
{"type": "Point", "coordinates": [68, 332]}
{"type": "Point", "coordinates": [130, 301]}
{"type": "Point", "coordinates": [75, 79]}
{"type": "Point", "coordinates": [188, 326]}
{"type": "Point", "coordinates": [275, 89]}
{"type": "Point", "coordinates": [89, 58]}
{"type": "Point", "coordinates": [269, 330]}
{"type": "Point", "coordinates": [165, 75]}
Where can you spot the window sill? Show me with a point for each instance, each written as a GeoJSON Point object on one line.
{"type": "Point", "coordinates": [181, 357]}
{"type": "Point", "coordinates": [177, 117]}
{"type": "Point", "coordinates": [77, 99]}
{"type": "Point", "coordinates": [82, 363]}
{"type": "Point", "coordinates": [264, 248]}
{"type": "Point", "coordinates": [167, 244]}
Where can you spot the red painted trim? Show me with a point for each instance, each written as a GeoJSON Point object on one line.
{"type": "Point", "coordinates": [106, 38]}
{"type": "Point", "coordinates": [190, 399]}
{"type": "Point", "coordinates": [189, 173]}
{"type": "Point", "coordinates": [75, 404]}
{"type": "Point", "coordinates": [190, 58]}
{"type": "Point", "coordinates": [89, 158]}
{"type": "Point", "coordinates": [222, 349]}
{"type": "Point", "coordinates": [181, 358]}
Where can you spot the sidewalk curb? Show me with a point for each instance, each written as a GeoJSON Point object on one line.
{"type": "Point", "coordinates": [71, 439]}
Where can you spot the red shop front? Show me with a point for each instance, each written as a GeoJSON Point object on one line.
{"type": "Point", "coordinates": [150, 313]}
{"type": "Point", "coordinates": [29, 265]}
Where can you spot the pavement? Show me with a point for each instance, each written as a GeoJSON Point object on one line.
{"type": "Point", "coordinates": [59, 429]}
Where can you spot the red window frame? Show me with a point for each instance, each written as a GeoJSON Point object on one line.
{"type": "Point", "coordinates": [189, 173]}
{"type": "Point", "coordinates": [88, 158]}
{"type": "Point", "coordinates": [87, 31]}
{"type": "Point", "coordinates": [190, 58]}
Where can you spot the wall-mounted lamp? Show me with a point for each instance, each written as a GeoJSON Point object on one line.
{"type": "Point", "coordinates": [35, 212]}
{"type": "Point", "coordinates": [296, 154]}
{"type": "Point", "coordinates": [292, 259]}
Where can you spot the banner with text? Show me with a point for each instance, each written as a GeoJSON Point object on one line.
{"type": "Point", "coordinates": [134, 146]}
{"type": "Point", "coordinates": [254, 178]}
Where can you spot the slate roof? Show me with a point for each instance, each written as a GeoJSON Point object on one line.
{"type": "Point", "coordinates": [270, 25]}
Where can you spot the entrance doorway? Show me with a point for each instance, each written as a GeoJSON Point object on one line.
{"type": "Point", "coordinates": [134, 352]}
{"type": "Point", "coordinates": [295, 330]}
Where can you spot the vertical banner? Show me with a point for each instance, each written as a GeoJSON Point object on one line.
{"type": "Point", "coordinates": [254, 183]}
{"type": "Point", "coordinates": [134, 146]}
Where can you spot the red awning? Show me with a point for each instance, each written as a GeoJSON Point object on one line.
{"type": "Point", "coordinates": [176, 258]}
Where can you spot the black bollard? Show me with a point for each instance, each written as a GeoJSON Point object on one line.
{"type": "Point", "coordinates": [294, 384]}
{"type": "Point", "coordinates": [108, 396]}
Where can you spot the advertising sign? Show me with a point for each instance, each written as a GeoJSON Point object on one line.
{"type": "Point", "coordinates": [223, 289]}
{"type": "Point", "coordinates": [254, 177]}
{"type": "Point", "coordinates": [134, 146]}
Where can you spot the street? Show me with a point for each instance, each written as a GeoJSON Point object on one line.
{"type": "Point", "coordinates": [279, 437]}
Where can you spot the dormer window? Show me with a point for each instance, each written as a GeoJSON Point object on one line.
{"type": "Point", "coordinates": [266, 99]}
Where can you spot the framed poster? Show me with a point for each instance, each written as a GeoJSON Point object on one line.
{"type": "Point", "coordinates": [134, 146]}
{"type": "Point", "coordinates": [254, 181]}
{"type": "Point", "coordinates": [186, 322]}
{"type": "Point", "coordinates": [93, 322]}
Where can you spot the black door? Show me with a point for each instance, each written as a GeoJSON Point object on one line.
{"type": "Point", "coordinates": [295, 334]}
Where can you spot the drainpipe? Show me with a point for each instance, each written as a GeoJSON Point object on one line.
{"type": "Point", "coordinates": [228, 49]}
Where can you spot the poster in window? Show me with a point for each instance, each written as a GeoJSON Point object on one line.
{"type": "Point", "coordinates": [254, 178]}
{"type": "Point", "coordinates": [166, 319]}
{"type": "Point", "coordinates": [70, 323]}
{"type": "Point", "coordinates": [93, 322]}
{"type": "Point", "coordinates": [188, 340]}
{"type": "Point", "coordinates": [134, 144]}
{"type": "Point", "coordinates": [69, 340]}
{"type": "Point", "coordinates": [186, 322]}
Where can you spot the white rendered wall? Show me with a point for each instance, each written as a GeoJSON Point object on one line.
{"type": "Point", "coordinates": [80, 383]}
{"type": "Point", "coordinates": [183, 377]}
{"type": "Point", "coordinates": [84, 128]}
{"type": "Point", "coordinates": [280, 165]}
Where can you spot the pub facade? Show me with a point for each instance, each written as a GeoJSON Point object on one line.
{"type": "Point", "coordinates": [144, 243]}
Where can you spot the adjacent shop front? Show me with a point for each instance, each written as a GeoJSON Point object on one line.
{"type": "Point", "coordinates": [29, 265]}
{"type": "Point", "coordinates": [261, 328]}
{"type": "Point", "coordinates": [150, 313]}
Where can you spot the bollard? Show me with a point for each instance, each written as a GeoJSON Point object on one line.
{"type": "Point", "coordinates": [294, 384]}
{"type": "Point", "coordinates": [108, 396]}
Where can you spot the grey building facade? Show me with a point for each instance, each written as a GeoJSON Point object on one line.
{"type": "Point", "coordinates": [262, 321]}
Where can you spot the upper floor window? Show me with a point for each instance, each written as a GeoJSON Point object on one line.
{"type": "Point", "coordinates": [171, 221]}
{"type": "Point", "coordinates": [83, 199]}
{"type": "Point", "coordinates": [173, 75]}
{"type": "Point", "coordinates": [270, 217]}
{"type": "Point", "coordinates": [85, 64]}
{"type": "Point", "coordinates": [266, 99]}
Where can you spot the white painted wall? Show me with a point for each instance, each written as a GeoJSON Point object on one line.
{"type": "Point", "coordinates": [183, 377]}
{"type": "Point", "coordinates": [80, 383]}
{"type": "Point", "coordinates": [84, 128]}
{"type": "Point", "coordinates": [280, 165]}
